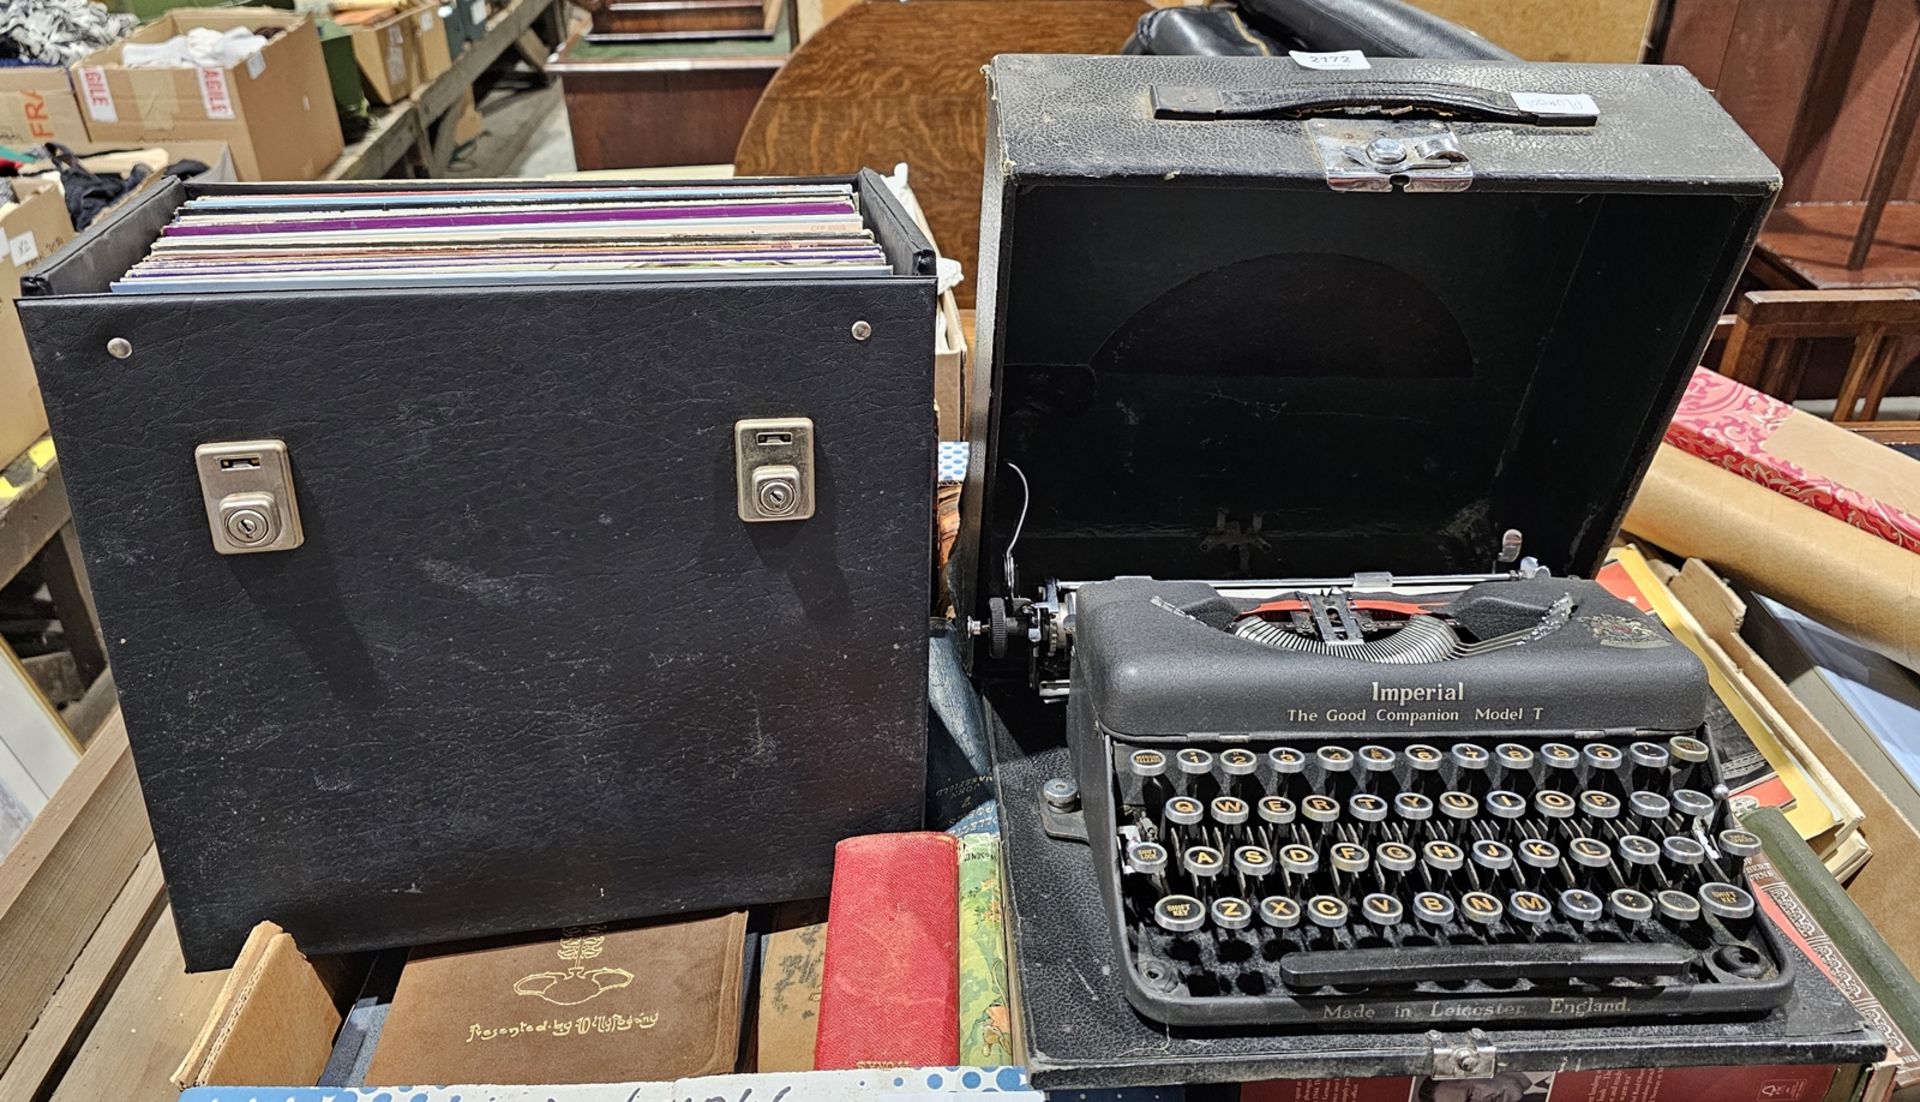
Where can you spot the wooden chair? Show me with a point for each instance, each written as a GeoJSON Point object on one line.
{"type": "Point", "coordinates": [1766, 347]}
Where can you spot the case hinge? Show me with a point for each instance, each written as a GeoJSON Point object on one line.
{"type": "Point", "coordinates": [1373, 155]}
{"type": "Point", "coordinates": [1468, 1056]}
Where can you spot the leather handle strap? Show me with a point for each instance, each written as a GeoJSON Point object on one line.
{"type": "Point", "coordinates": [1378, 99]}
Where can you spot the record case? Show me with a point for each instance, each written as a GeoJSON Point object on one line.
{"type": "Point", "coordinates": [1225, 336]}
{"type": "Point", "coordinates": [529, 667]}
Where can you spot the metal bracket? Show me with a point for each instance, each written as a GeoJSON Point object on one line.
{"type": "Point", "coordinates": [1060, 814]}
{"type": "Point", "coordinates": [1472, 1056]}
{"type": "Point", "coordinates": [1372, 155]}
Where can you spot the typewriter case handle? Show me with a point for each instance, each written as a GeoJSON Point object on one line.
{"type": "Point", "coordinates": [1369, 99]}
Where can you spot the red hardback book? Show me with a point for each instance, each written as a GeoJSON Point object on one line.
{"type": "Point", "coordinates": [890, 985]}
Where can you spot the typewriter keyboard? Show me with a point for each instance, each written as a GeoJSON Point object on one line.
{"type": "Point", "coordinates": [1546, 879]}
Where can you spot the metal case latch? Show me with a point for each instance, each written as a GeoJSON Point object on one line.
{"type": "Point", "coordinates": [773, 468]}
{"type": "Point", "coordinates": [1472, 1056]}
{"type": "Point", "coordinates": [1372, 155]}
{"type": "Point", "coordinates": [247, 487]}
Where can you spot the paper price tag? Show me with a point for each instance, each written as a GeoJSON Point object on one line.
{"type": "Point", "coordinates": [477, 11]}
{"type": "Point", "coordinates": [426, 19]}
{"type": "Point", "coordinates": [214, 95]}
{"type": "Point", "coordinates": [1556, 103]}
{"type": "Point", "coordinates": [93, 85]}
{"type": "Point", "coordinates": [23, 250]}
{"type": "Point", "coordinates": [256, 64]}
{"type": "Point", "coordinates": [1338, 59]}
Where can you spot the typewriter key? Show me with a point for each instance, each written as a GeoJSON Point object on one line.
{"type": "Point", "coordinates": [1179, 914]}
{"type": "Point", "coordinates": [1433, 907]}
{"type": "Point", "coordinates": [1540, 853]}
{"type": "Point", "coordinates": [1286, 761]}
{"type": "Point", "coordinates": [1413, 806]}
{"type": "Point", "coordinates": [1505, 804]}
{"type": "Point", "coordinates": [1252, 861]}
{"type": "Point", "coordinates": [1492, 856]}
{"type": "Point", "coordinates": [1238, 762]}
{"type": "Point", "coordinates": [1458, 805]}
{"type": "Point", "coordinates": [1378, 759]}
{"type": "Point", "coordinates": [1396, 856]}
{"type": "Point", "coordinates": [1147, 763]}
{"type": "Point", "coordinates": [1689, 758]}
{"type": "Point", "coordinates": [1367, 808]}
{"type": "Point", "coordinates": [1382, 910]}
{"type": "Point", "coordinates": [1279, 912]}
{"type": "Point", "coordinates": [1327, 911]}
{"type": "Point", "coordinates": [1232, 914]}
{"type": "Point", "coordinates": [1553, 803]}
{"type": "Point", "coordinates": [1649, 755]}
{"type": "Point", "coordinates": [1682, 850]}
{"type": "Point", "coordinates": [1349, 858]}
{"type": "Point", "coordinates": [1513, 757]}
{"type": "Point", "coordinates": [1147, 858]}
{"type": "Point", "coordinates": [1651, 806]}
{"type": "Point", "coordinates": [1334, 759]}
{"type": "Point", "coordinates": [1581, 905]}
{"type": "Point", "coordinates": [1196, 772]}
{"type": "Point", "coordinates": [1468, 757]}
{"type": "Point", "coordinates": [1321, 809]}
{"type": "Point", "coordinates": [1638, 850]}
{"type": "Point", "coordinates": [1739, 843]}
{"type": "Point", "coordinates": [1628, 905]}
{"type": "Point", "coordinates": [1299, 860]}
{"type": "Point", "coordinates": [1561, 761]}
{"type": "Point", "coordinates": [1677, 906]}
{"type": "Point", "coordinates": [1602, 757]}
{"type": "Point", "coordinates": [1230, 810]}
{"type": "Point", "coordinates": [1529, 907]}
{"type": "Point", "coordinates": [1185, 811]}
{"type": "Point", "coordinates": [1693, 802]}
{"type": "Point", "coordinates": [1425, 762]}
{"type": "Point", "coordinates": [1591, 852]}
{"type": "Point", "coordinates": [1726, 901]}
{"type": "Point", "coordinates": [1203, 862]}
{"type": "Point", "coordinates": [1443, 856]}
{"type": "Point", "coordinates": [1276, 809]}
{"type": "Point", "coordinates": [1600, 805]}
{"type": "Point", "coordinates": [1481, 907]}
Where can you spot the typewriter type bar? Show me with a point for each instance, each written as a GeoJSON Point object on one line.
{"type": "Point", "coordinates": [1533, 879]}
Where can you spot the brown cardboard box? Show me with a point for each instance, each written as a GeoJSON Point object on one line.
{"type": "Point", "coordinates": [37, 105]}
{"type": "Point", "coordinates": [1556, 30]}
{"type": "Point", "coordinates": [32, 227]}
{"type": "Point", "coordinates": [274, 110]}
{"type": "Point", "coordinates": [432, 54]}
{"type": "Point", "coordinates": [383, 44]}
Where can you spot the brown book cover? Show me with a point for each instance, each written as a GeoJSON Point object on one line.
{"type": "Point", "coordinates": [593, 1004]}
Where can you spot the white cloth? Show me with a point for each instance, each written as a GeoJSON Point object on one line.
{"type": "Point", "coordinates": [199, 48]}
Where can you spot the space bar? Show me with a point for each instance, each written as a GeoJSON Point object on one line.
{"type": "Point", "coordinates": [1459, 963]}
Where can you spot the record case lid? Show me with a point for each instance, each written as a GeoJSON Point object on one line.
{"type": "Point", "coordinates": [1211, 354]}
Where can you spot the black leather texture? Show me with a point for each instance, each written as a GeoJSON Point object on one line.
{"type": "Point", "coordinates": [1082, 1033]}
{"type": "Point", "coordinates": [1378, 28]}
{"type": "Point", "coordinates": [529, 668]}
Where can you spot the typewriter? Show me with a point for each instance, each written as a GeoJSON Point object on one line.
{"type": "Point", "coordinates": [1485, 798]}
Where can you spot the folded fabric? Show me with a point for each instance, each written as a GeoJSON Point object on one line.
{"type": "Point", "coordinates": [58, 32]}
{"type": "Point", "coordinates": [199, 48]}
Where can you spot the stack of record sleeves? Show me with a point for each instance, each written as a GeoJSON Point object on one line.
{"type": "Point", "coordinates": [319, 240]}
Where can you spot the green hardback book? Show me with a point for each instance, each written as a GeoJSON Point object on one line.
{"type": "Point", "coordinates": [1813, 911]}
{"type": "Point", "coordinates": [986, 1038]}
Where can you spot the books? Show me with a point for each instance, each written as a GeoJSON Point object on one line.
{"type": "Point", "coordinates": [590, 1004]}
{"type": "Point", "coordinates": [446, 237]}
{"type": "Point", "coordinates": [890, 991]}
{"type": "Point", "coordinates": [986, 1014]}
{"type": "Point", "coordinates": [789, 1018]}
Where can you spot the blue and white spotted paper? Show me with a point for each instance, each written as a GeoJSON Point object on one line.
{"type": "Point", "coordinates": [1006, 1084]}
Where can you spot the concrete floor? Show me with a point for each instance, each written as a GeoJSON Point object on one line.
{"type": "Point", "coordinates": [526, 134]}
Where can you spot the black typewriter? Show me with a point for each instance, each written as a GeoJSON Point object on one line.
{"type": "Point", "coordinates": [1405, 803]}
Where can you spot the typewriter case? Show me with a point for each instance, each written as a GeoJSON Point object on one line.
{"type": "Point", "coordinates": [1225, 340]}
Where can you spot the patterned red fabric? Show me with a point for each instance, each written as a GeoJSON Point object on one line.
{"type": "Point", "coordinates": [1728, 424]}
{"type": "Point", "coordinates": [890, 984]}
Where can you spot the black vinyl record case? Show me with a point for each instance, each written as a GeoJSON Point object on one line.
{"type": "Point", "coordinates": [1245, 320]}
{"type": "Point", "coordinates": [529, 668]}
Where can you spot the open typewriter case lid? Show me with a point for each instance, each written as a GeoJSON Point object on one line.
{"type": "Point", "coordinates": [1242, 318]}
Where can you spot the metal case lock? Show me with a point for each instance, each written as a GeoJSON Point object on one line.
{"type": "Point", "coordinates": [773, 468]}
{"type": "Point", "coordinates": [247, 487]}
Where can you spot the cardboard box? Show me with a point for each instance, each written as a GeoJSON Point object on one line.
{"type": "Point", "coordinates": [1555, 30]}
{"type": "Point", "coordinates": [274, 110]}
{"type": "Point", "coordinates": [383, 45]}
{"type": "Point", "coordinates": [32, 227]}
{"type": "Point", "coordinates": [37, 105]}
{"type": "Point", "coordinates": [432, 52]}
